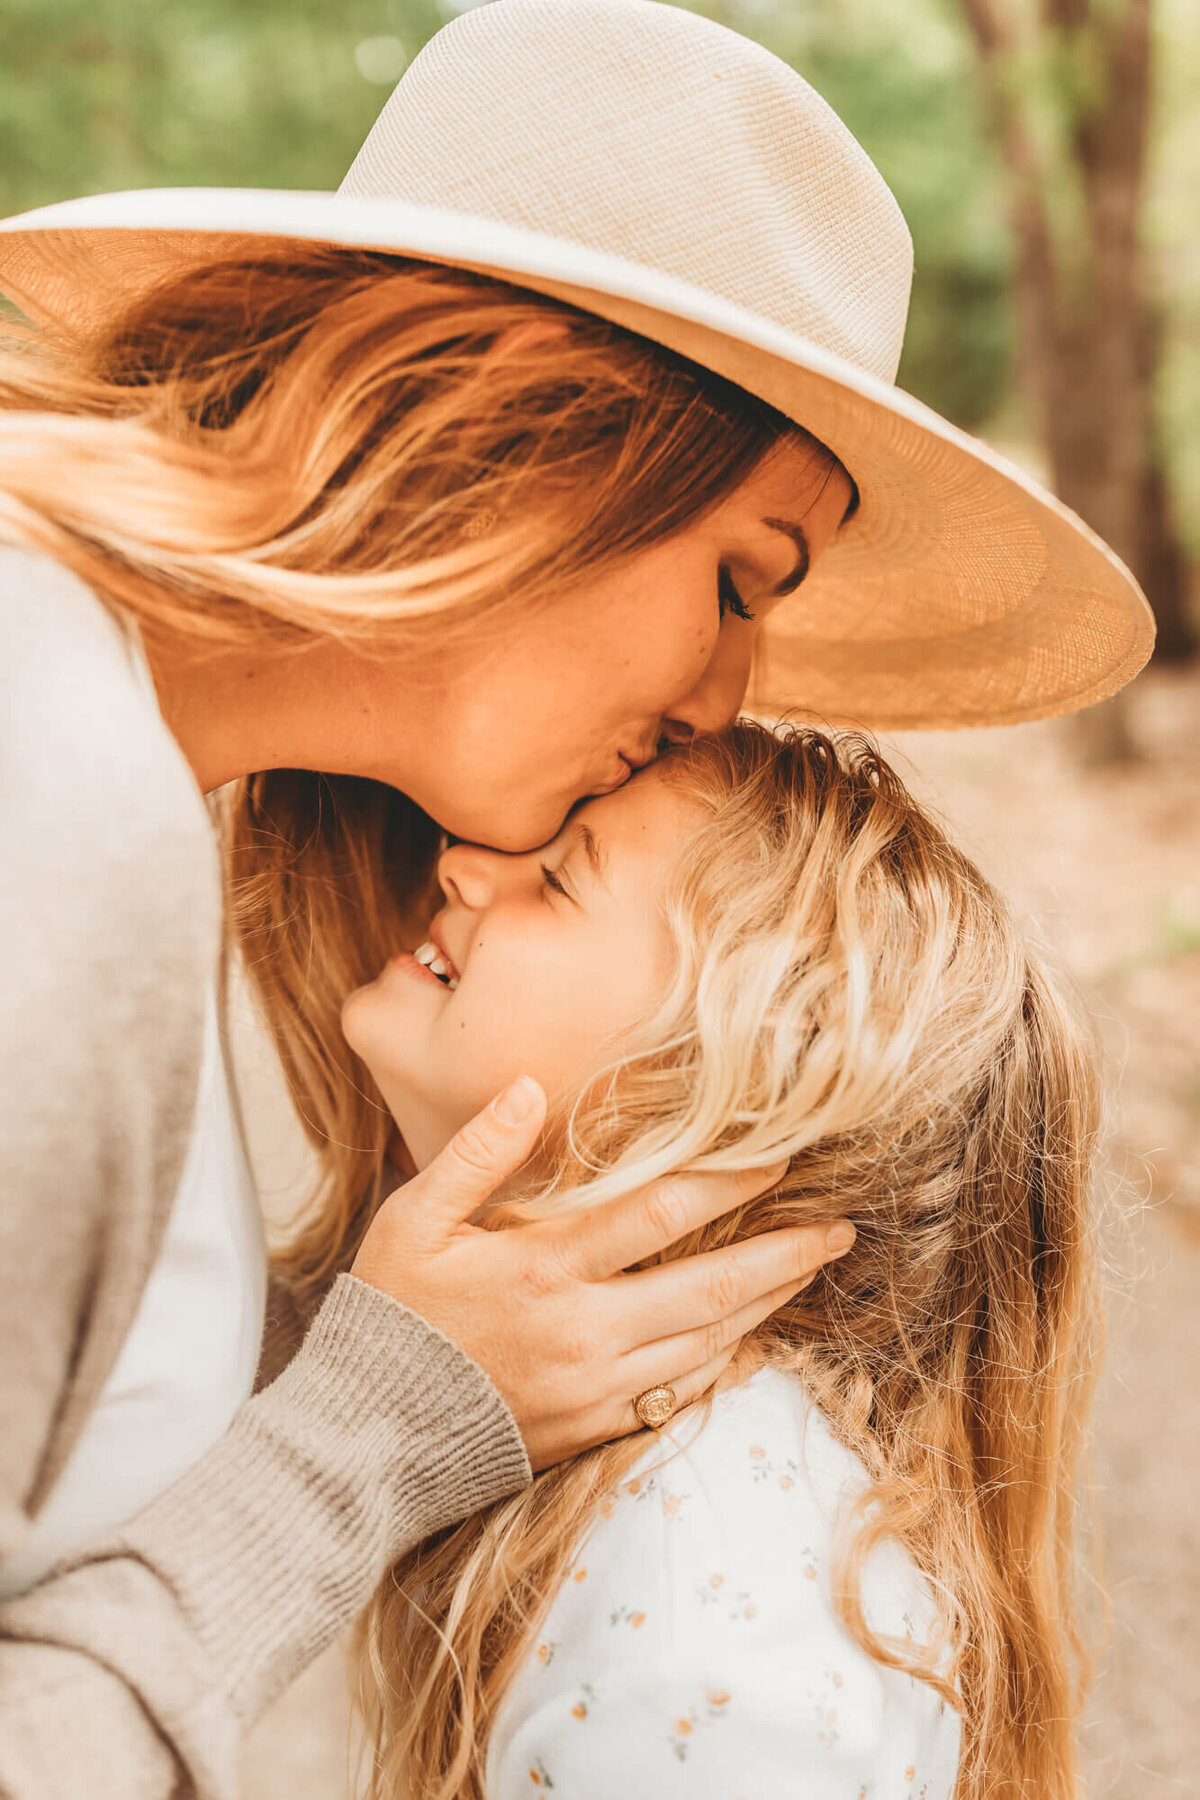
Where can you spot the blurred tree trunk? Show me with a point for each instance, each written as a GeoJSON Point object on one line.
{"type": "Point", "coordinates": [1068, 84]}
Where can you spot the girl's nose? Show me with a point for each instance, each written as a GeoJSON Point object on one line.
{"type": "Point", "coordinates": [468, 874]}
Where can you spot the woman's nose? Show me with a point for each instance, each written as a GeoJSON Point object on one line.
{"type": "Point", "coordinates": [715, 700]}
{"type": "Point", "coordinates": [467, 874]}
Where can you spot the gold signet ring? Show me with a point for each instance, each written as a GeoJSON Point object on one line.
{"type": "Point", "coordinates": [655, 1406]}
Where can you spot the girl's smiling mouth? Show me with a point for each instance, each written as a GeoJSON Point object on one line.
{"type": "Point", "coordinates": [429, 964]}
{"type": "Point", "coordinates": [432, 957]}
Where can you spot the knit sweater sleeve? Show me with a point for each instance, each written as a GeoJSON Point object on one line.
{"type": "Point", "coordinates": [156, 1653]}
{"type": "Point", "coordinates": [135, 1670]}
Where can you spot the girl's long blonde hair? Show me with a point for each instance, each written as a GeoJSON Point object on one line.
{"type": "Point", "coordinates": [308, 442]}
{"type": "Point", "coordinates": [850, 993]}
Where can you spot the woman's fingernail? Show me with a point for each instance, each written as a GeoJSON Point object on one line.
{"type": "Point", "coordinates": [839, 1238]}
{"type": "Point", "coordinates": [517, 1102]}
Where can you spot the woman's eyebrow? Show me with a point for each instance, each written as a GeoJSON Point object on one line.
{"type": "Point", "coordinates": [593, 849]}
{"type": "Point", "coordinates": [791, 582]}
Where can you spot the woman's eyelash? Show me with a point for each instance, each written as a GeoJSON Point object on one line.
{"type": "Point", "coordinates": [730, 600]}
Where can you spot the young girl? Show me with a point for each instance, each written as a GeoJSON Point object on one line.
{"type": "Point", "coordinates": [851, 1574]}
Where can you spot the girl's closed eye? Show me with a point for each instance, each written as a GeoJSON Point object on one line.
{"type": "Point", "coordinates": [552, 879]}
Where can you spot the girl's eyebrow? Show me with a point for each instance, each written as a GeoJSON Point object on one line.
{"type": "Point", "coordinates": [593, 849]}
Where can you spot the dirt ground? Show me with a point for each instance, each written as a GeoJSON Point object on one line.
{"type": "Point", "coordinates": [1108, 864]}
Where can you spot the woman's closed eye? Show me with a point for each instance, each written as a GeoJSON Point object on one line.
{"type": "Point", "coordinates": [730, 600]}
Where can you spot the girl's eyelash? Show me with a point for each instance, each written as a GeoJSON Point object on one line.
{"type": "Point", "coordinates": [552, 881]}
{"type": "Point", "coordinates": [730, 600]}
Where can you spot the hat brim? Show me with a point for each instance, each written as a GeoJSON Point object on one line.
{"type": "Point", "coordinates": [961, 592]}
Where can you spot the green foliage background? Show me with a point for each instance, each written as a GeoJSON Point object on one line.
{"type": "Point", "coordinates": [104, 94]}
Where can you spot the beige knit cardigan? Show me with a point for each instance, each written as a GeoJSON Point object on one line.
{"type": "Point", "coordinates": [134, 1671]}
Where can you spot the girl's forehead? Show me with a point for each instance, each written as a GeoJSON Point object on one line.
{"type": "Point", "coordinates": [646, 821]}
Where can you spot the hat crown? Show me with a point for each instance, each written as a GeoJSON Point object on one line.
{"type": "Point", "coordinates": [645, 131]}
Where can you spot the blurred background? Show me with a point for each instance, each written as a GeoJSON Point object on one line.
{"type": "Point", "coordinates": [1047, 156]}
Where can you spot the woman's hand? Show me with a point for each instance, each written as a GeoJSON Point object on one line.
{"type": "Point", "coordinates": [567, 1338]}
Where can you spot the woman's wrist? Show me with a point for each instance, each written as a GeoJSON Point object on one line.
{"type": "Point", "coordinates": [378, 1432]}
{"type": "Point", "coordinates": [411, 1408]}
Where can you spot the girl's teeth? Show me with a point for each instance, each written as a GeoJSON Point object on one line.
{"type": "Point", "coordinates": [429, 956]}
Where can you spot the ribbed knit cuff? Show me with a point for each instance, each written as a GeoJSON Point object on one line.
{"type": "Point", "coordinates": [379, 1432]}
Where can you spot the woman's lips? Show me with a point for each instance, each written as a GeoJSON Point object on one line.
{"type": "Point", "coordinates": [617, 781]}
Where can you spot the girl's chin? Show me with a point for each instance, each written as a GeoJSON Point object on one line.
{"type": "Point", "coordinates": [353, 1008]}
{"type": "Point", "coordinates": [375, 1015]}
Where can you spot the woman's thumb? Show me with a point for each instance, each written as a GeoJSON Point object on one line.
{"type": "Point", "coordinates": [487, 1149]}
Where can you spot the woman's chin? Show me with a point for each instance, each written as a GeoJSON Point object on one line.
{"type": "Point", "coordinates": [516, 833]}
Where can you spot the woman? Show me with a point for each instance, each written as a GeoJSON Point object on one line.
{"type": "Point", "coordinates": [853, 1574]}
{"type": "Point", "coordinates": [467, 487]}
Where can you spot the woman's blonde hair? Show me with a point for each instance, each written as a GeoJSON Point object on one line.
{"type": "Point", "coordinates": [307, 442]}
{"type": "Point", "coordinates": [849, 993]}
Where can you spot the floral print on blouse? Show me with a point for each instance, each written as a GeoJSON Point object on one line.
{"type": "Point", "coordinates": [694, 1649]}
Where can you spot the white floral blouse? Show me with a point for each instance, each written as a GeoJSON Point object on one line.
{"type": "Point", "coordinates": [694, 1649]}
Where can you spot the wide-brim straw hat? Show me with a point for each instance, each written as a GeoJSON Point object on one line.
{"type": "Point", "coordinates": [660, 170]}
